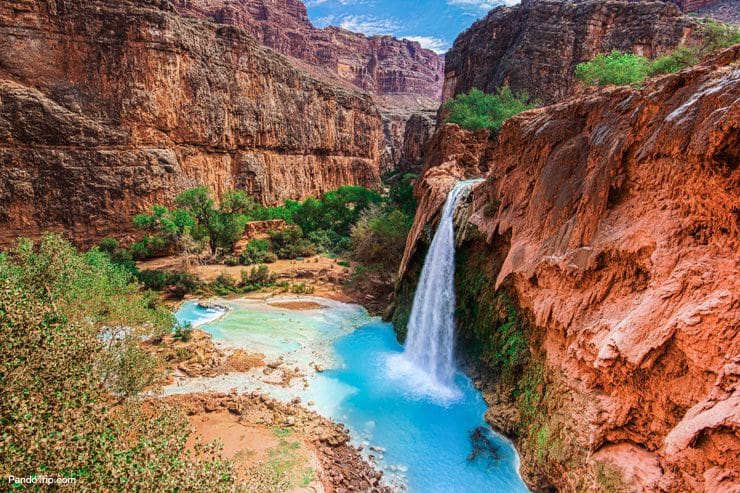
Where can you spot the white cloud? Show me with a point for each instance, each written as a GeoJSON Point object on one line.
{"type": "Point", "coordinates": [437, 45]}
{"type": "Point", "coordinates": [368, 24]}
{"type": "Point", "coordinates": [481, 4]}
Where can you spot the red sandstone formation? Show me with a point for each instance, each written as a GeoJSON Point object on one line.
{"type": "Point", "coordinates": [536, 46]}
{"type": "Point", "coordinates": [617, 216]}
{"type": "Point", "coordinates": [381, 65]}
{"type": "Point", "coordinates": [107, 107]}
{"type": "Point", "coordinates": [405, 78]}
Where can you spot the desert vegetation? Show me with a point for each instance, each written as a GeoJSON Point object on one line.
{"type": "Point", "coordinates": [617, 68]}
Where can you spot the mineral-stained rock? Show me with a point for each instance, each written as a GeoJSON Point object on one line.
{"type": "Point", "coordinates": [107, 107]}
{"type": "Point", "coordinates": [535, 46]}
{"type": "Point", "coordinates": [617, 216]}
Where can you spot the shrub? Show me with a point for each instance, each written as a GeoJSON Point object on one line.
{"type": "Point", "coordinates": [117, 254]}
{"type": "Point", "coordinates": [676, 60]}
{"type": "Point", "coordinates": [615, 68]}
{"type": "Point", "coordinates": [718, 35]}
{"type": "Point", "coordinates": [301, 288]}
{"type": "Point", "coordinates": [177, 284]}
{"type": "Point", "coordinates": [290, 243]}
{"type": "Point", "coordinates": [257, 252]}
{"type": "Point", "coordinates": [225, 281]}
{"type": "Point", "coordinates": [183, 332]}
{"type": "Point", "coordinates": [380, 238]}
{"type": "Point", "coordinates": [72, 324]}
{"type": "Point", "coordinates": [258, 277]}
{"type": "Point", "coordinates": [477, 110]}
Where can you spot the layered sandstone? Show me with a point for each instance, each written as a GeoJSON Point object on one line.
{"type": "Point", "coordinates": [404, 78]}
{"type": "Point", "coordinates": [107, 107]}
{"type": "Point", "coordinates": [382, 65]}
{"type": "Point", "coordinates": [611, 221]}
{"type": "Point", "coordinates": [535, 46]}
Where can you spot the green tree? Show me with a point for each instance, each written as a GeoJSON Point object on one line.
{"type": "Point", "coordinates": [477, 110]}
{"type": "Point", "coordinates": [220, 226]}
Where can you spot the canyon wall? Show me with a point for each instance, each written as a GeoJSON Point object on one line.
{"type": "Point", "coordinates": [535, 46]}
{"type": "Point", "coordinates": [381, 65]}
{"type": "Point", "coordinates": [404, 78]}
{"type": "Point", "coordinates": [107, 107]}
{"type": "Point", "coordinates": [598, 279]}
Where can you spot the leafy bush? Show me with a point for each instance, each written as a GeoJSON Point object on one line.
{"type": "Point", "coordinates": [224, 283]}
{"type": "Point", "coordinates": [380, 238]}
{"type": "Point", "coordinates": [329, 241]}
{"type": "Point", "coordinates": [301, 288]}
{"type": "Point", "coordinates": [117, 254]}
{"type": "Point", "coordinates": [626, 68]}
{"type": "Point", "coordinates": [177, 284]}
{"type": "Point", "coordinates": [259, 277]}
{"type": "Point", "coordinates": [477, 110]}
{"type": "Point", "coordinates": [257, 252]}
{"type": "Point", "coordinates": [401, 194]}
{"type": "Point", "coordinates": [183, 332]}
{"type": "Point", "coordinates": [676, 60]}
{"type": "Point", "coordinates": [717, 35]}
{"type": "Point", "coordinates": [71, 325]}
{"type": "Point", "coordinates": [289, 243]}
{"type": "Point", "coordinates": [615, 68]}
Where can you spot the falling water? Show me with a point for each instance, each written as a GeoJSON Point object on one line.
{"type": "Point", "coordinates": [431, 339]}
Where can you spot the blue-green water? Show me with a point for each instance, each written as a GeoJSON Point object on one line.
{"type": "Point", "coordinates": [417, 432]}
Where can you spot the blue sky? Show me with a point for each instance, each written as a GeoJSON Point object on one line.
{"type": "Point", "coordinates": [433, 23]}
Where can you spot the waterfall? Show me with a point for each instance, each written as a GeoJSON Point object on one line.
{"type": "Point", "coordinates": [430, 343]}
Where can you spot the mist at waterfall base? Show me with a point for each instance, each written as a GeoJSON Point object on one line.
{"type": "Point", "coordinates": [430, 344]}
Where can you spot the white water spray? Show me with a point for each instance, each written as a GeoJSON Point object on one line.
{"type": "Point", "coordinates": [430, 344]}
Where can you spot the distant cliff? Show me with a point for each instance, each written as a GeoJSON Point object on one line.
{"type": "Point", "coordinates": [108, 106]}
{"type": "Point", "coordinates": [404, 78]}
{"type": "Point", "coordinates": [382, 65]}
{"type": "Point", "coordinates": [535, 46]}
{"type": "Point", "coordinates": [598, 281]}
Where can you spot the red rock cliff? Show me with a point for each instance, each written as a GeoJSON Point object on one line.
{"type": "Point", "coordinates": [382, 65]}
{"type": "Point", "coordinates": [536, 46]}
{"type": "Point", "coordinates": [109, 106]}
{"type": "Point", "coordinates": [612, 221]}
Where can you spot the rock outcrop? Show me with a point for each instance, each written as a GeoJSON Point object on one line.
{"type": "Point", "coordinates": [107, 107]}
{"type": "Point", "coordinates": [611, 222]}
{"type": "Point", "coordinates": [535, 46]}
{"type": "Point", "coordinates": [381, 65]}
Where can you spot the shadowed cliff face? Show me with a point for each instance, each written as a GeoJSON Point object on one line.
{"type": "Point", "coordinates": [536, 46]}
{"type": "Point", "coordinates": [109, 106]}
{"type": "Point", "coordinates": [612, 220]}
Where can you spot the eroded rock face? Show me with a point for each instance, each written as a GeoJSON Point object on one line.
{"type": "Point", "coordinates": [107, 107]}
{"type": "Point", "coordinates": [535, 46]}
{"type": "Point", "coordinates": [382, 65]}
{"type": "Point", "coordinates": [404, 78]}
{"type": "Point", "coordinates": [612, 221]}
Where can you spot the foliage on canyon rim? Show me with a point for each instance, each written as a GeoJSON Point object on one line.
{"type": "Point", "coordinates": [477, 110]}
{"type": "Point", "coordinates": [627, 68]}
{"type": "Point", "coordinates": [71, 326]}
